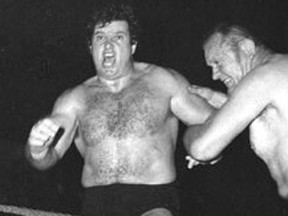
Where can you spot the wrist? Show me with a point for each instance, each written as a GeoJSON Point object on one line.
{"type": "Point", "coordinates": [39, 155]}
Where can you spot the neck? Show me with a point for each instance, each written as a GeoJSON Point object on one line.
{"type": "Point", "coordinates": [117, 84]}
{"type": "Point", "coordinates": [261, 56]}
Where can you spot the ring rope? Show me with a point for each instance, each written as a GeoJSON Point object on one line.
{"type": "Point", "coordinates": [29, 212]}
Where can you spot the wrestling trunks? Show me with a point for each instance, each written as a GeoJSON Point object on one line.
{"type": "Point", "coordinates": [129, 199]}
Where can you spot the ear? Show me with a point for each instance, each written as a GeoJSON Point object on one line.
{"type": "Point", "coordinates": [90, 48]}
{"type": "Point", "coordinates": [133, 48]}
{"type": "Point", "coordinates": [247, 46]}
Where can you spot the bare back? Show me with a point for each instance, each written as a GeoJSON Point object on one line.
{"type": "Point", "coordinates": [128, 136]}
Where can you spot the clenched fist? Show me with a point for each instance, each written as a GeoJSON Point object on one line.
{"type": "Point", "coordinates": [41, 137]}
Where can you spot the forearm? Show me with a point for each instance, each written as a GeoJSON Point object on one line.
{"type": "Point", "coordinates": [42, 160]}
{"type": "Point", "coordinates": [217, 99]}
{"type": "Point", "coordinates": [199, 150]}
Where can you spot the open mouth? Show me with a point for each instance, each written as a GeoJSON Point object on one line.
{"type": "Point", "coordinates": [108, 59]}
{"type": "Point", "coordinates": [228, 82]}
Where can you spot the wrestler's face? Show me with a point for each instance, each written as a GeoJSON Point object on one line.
{"type": "Point", "coordinates": [225, 65]}
{"type": "Point", "coordinates": [112, 50]}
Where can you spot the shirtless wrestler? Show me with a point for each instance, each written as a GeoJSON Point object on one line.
{"type": "Point", "coordinates": [257, 82]}
{"type": "Point", "coordinates": [124, 122]}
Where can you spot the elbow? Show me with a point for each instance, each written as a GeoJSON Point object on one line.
{"type": "Point", "coordinates": [201, 148]}
{"type": "Point", "coordinates": [202, 152]}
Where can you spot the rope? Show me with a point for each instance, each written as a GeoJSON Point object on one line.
{"type": "Point", "coordinates": [28, 212]}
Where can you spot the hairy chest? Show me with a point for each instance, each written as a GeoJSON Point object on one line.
{"type": "Point", "coordinates": [135, 111]}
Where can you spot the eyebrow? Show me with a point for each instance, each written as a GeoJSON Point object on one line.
{"type": "Point", "coordinates": [97, 33]}
{"type": "Point", "coordinates": [121, 32]}
{"type": "Point", "coordinates": [117, 32]}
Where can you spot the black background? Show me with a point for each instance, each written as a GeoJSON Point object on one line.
{"type": "Point", "coordinates": [43, 51]}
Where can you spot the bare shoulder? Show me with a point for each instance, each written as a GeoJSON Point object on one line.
{"type": "Point", "coordinates": [89, 82]}
{"type": "Point", "coordinates": [70, 100]}
{"type": "Point", "coordinates": [276, 75]}
{"type": "Point", "coordinates": [265, 82]}
{"type": "Point", "coordinates": [272, 73]}
{"type": "Point", "coordinates": [165, 77]}
{"type": "Point", "coordinates": [278, 66]}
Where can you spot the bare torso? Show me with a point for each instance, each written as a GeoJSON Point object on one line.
{"type": "Point", "coordinates": [127, 136]}
{"type": "Point", "coordinates": [269, 131]}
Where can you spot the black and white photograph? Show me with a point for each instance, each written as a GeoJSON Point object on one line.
{"type": "Point", "coordinates": [144, 107]}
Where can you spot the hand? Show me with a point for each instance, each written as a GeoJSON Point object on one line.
{"type": "Point", "coordinates": [41, 136]}
{"type": "Point", "coordinates": [214, 98]}
{"type": "Point", "coordinates": [191, 162]}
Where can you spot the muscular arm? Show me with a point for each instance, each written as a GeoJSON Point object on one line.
{"type": "Point", "coordinates": [206, 141]}
{"type": "Point", "coordinates": [214, 98]}
{"type": "Point", "coordinates": [188, 107]}
{"type": "Point", "coordinates": [63, 116]}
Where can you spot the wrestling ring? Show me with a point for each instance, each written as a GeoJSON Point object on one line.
{"type": "Point", "coordinates": [10, 209]}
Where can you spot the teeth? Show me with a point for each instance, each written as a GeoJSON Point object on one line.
{"type": "Point", "coordinates": [109, 60]}
{"type": "Point", "coordinates": [226, 81]}
{"type": "Point", "coordinates": [108, 54]}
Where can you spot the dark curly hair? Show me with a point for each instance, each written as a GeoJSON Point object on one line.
{"type": "Point", "coordinates": [114, 11]}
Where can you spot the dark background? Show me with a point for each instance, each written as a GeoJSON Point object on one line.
{"type": "Point", "coordinates": [43, 51]}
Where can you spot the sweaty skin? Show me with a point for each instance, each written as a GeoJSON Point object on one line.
{"type": "Point", "coordinates": [130, 136]}
{"type": "Point", "coordinates": [124, 120]}
{"type": "Point", "coordinates": [258, 99]}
